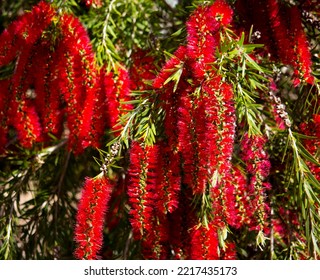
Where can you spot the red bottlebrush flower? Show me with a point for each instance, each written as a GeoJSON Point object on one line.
{"type": "Point", "coordinates": [205, 244]}
{"type": "Point", "coordinates": [101, 115]}
{"type": "Point", "coordinates": [142, 187]}
{"type": "Point", "coordinates": [22, 114]}
{"type": "Point", "coordinates": [30, 130]}
{"type": "Point", "coordinates": [280, 32]}
{"type": "Point", "coordinates": [242, 194]}
{"type": "Point", "coordinates": [70, 93]}
{"type": "Point", "coordinates": [258, 167]}
{"type": "Point", "coordinates": [78, 81]}
{"type": "Point", "coordinates": [303, 62]}
{"type": "Point", "coordinates": [90, 217]}
{"type": "Point", "coordinates": [148, 223]}
{"type": "Point", "coordinates": [221, 126]}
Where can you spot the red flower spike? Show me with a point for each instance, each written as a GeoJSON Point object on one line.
{"type": "Point", "coordinates": [303, 63]}
{"type": "Point", "coordinates": [142, 187]}
{"type": "Point", "coordinates": [280, 31]}
{"type": "Point", "coordinates": [258, 167]}
{"type": "Point", "coordinates": [242, 204]}
{"type": "Point", "coordinates": [21, 113]}
{"type": "Point", "coordinates": [90, 217]}
{"type": "Point", "coordinates": [79, 82]}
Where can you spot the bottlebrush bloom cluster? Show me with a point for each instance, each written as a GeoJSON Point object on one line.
{"type": "Point", "coordinates": [170, 184]}
{"type": "Point", "coordinates": [281, 30]}
{"type": "Point", "coordinates": [56, 79]}
{"type": "Point", "coordinates": [91, 216]}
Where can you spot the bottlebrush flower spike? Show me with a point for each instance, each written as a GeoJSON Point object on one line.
{"type": "Point", "coordinates": [280, 31]}
{"type": "Point", "coordinates": [243, 209]}
{"type": "Point", "coordinates": [78, 81]}
{"type": "Point", "coordinates": [257, 166]}
{"type": "Point", "coordinates": [303, 62]}
{"type": "Point", "coordinates": [142, 187]}
{"type": "Point", "coordinates": [22, 114]}
{"type": "Point", "coordinates": [148, 197]}
{"type": "Point", "coordinates": [90, 217]}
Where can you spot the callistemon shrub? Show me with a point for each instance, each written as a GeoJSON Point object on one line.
{"type": "Point", "coordinates": [153, 130]}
